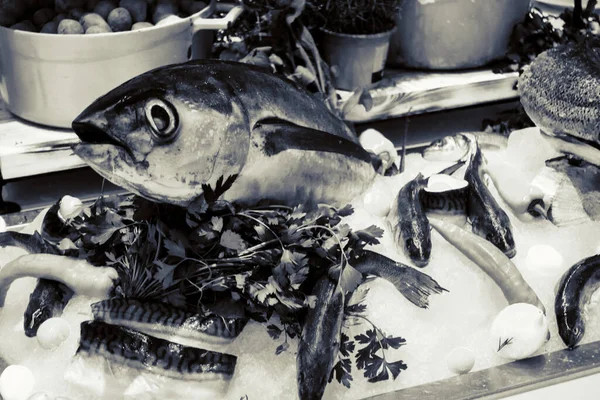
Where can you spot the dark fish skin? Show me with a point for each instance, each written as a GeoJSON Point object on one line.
{"type": "Point", "coordinates": [146, 352]}
{"type": "Point", "coordinates": [574, 291]}
{"type": "Point", "coordinates": [412, 231]}
{"type": "Point", "coordinates": [487, 218]}
{"type": "Point", "coordinates": [320, 340]}
{"type": "Point", "coordinates": [176, 321]}
{"type": "Point", "coordinates": [49, 297]}
{"type": "Point", "coordinates": [451, 202]}
{"type": "Point", "coordinates": [47, 300]}
{"type": "Point", "coordinates": [413, 284]}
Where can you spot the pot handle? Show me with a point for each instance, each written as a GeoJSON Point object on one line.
{"type": "Point", "coordinates": [200, 23]}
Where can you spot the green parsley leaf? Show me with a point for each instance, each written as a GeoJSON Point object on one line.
{"type": "Point", "coordinates": [232, 240]}
{"type": "Point", "coordinates": [274, 331]}
{"type": "Point", "coordinates": [346, 345]}
{"type": "Point", "coordinates": [176, 249]}
{"type": "Point", "coordinates": [342, 371]}
{"type": "Point", "coordinates": [217, 223]}
{"type": "Point", "coordinates": [282, 347]}
{"type": "Point", "coordinates": [350, 279]}
{"type": "Point", "coordinates": [165, 273]}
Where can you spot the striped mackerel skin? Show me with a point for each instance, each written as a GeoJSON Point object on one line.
{"type": "Point", "coordinates": [184, 322]}
{"type": "Point", "coordinates": [146, 352]}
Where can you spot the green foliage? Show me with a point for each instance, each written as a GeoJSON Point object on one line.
{"type": "Point", "coordinates": [358, 17]}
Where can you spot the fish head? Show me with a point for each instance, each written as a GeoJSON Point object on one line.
{"type": "Point", "coordinates": [571, 328]}
{"type": "Point", "coordinates": [165, 133]}
{"type": "Point", "coordinates": [448, 148]}
{"type": "Point", "coordinates": [502, 238]}
{"type": "Point", "coordinates": [418, 247]}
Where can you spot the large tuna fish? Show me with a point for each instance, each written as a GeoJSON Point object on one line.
{"type": "Point", "coordinates": [166, 132]}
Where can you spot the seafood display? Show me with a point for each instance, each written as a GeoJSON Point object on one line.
{"type": "Point", "coordinates": [248, 226]}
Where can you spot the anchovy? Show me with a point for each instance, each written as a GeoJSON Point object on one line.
{"type": "Point", "coordinates": [162, 319]}
{"type": "Point", "coordinates": [410, 224]}
{"type": "Point", "coordinates": [487, 218]}
{"type": "Point", "coordinates": [137, 350]}
{"type": "Point", "coordinates": [320, 340]}
{"type": "Point", "coordinates": [574, 292]}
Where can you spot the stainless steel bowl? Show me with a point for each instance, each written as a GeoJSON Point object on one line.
{"type": "Point", "coordinates": [454, 34]}
{"type": "Point", "coordinates": [49, 79]}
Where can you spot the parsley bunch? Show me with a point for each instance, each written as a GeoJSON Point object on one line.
{"type": "Point", "coordinates": [215, 257]}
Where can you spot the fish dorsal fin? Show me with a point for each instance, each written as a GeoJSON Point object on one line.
{"type": "Point", "coordinates": [280, 135]}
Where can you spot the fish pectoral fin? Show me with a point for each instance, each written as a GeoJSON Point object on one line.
{"type": "Point", "coordinates": [279, 136]}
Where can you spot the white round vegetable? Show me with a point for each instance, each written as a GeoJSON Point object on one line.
{"type": "Point", "coordinates": [53, 332]}
{"type": "Point", "coordinates": [70, 207]}
{"type": "Point", "coordinates": [518, 331]}
{"type": "Point", "coordinates": [544, 259]}
{"type": "Point", "coordinates": [16, 383]}
{"type": "Point", "coordinates": [460, 360]}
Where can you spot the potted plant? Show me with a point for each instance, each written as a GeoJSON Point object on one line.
{"type": "Point", "coordinates": [355, 38]}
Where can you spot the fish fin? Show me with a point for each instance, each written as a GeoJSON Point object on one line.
{"type": "Point", "coordinates": [567, 207]}
{"type": "Point", "coordinates": [282, 135]}
{"type": "Point", "coordinates": [415, 285]}
{"type": "Point", "coordinates": [453, 168]}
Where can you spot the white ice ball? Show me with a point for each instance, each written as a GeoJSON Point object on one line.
{"type": "Point", "coordinates": [518, 331]}
{"type": "Point", "coordinates": [16, 383]}
{"type": "Point", "coordinates": [53, 332]}
{"type": "Point", "coordinates": [460, 360]}
{"type": "Point", "coordinates": [544, 259]}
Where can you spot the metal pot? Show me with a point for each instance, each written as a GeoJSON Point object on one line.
{"type": "Point", "coordinates": [454, 34]}
{"type": "Point", "coordinates": [49, 79]}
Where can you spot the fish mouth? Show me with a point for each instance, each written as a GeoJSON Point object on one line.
{"type": "Point", "coordinates": [89, 133]}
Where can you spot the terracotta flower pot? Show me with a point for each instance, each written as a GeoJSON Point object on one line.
{"type": "Point", "coordinates": [355, 60]}
{"type": "Point", "coordinates": [454, 34]}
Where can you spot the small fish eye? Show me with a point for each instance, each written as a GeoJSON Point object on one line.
{"type": "Point", "coordinates": [162, 119]}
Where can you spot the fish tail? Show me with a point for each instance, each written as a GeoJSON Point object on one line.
{"type": "Point", "coordinates": [415, 285]}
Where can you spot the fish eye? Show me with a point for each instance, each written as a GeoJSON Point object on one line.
{"type": "Point", "coordinates": [163, 120]}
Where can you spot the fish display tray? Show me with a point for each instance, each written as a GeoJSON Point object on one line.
{"type": "Point", "coordinates": [532, 374]}
{"type": "Point", "coordinates": [27, 149]}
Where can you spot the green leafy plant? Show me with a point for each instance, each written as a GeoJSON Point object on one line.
{"type": "Point", "coordinates": [358, 17]}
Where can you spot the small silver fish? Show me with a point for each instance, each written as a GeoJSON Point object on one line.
{"type": "Point", "coordinates": [448, 148]}
{"type": "Point", "coordinates": [456, 147]}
